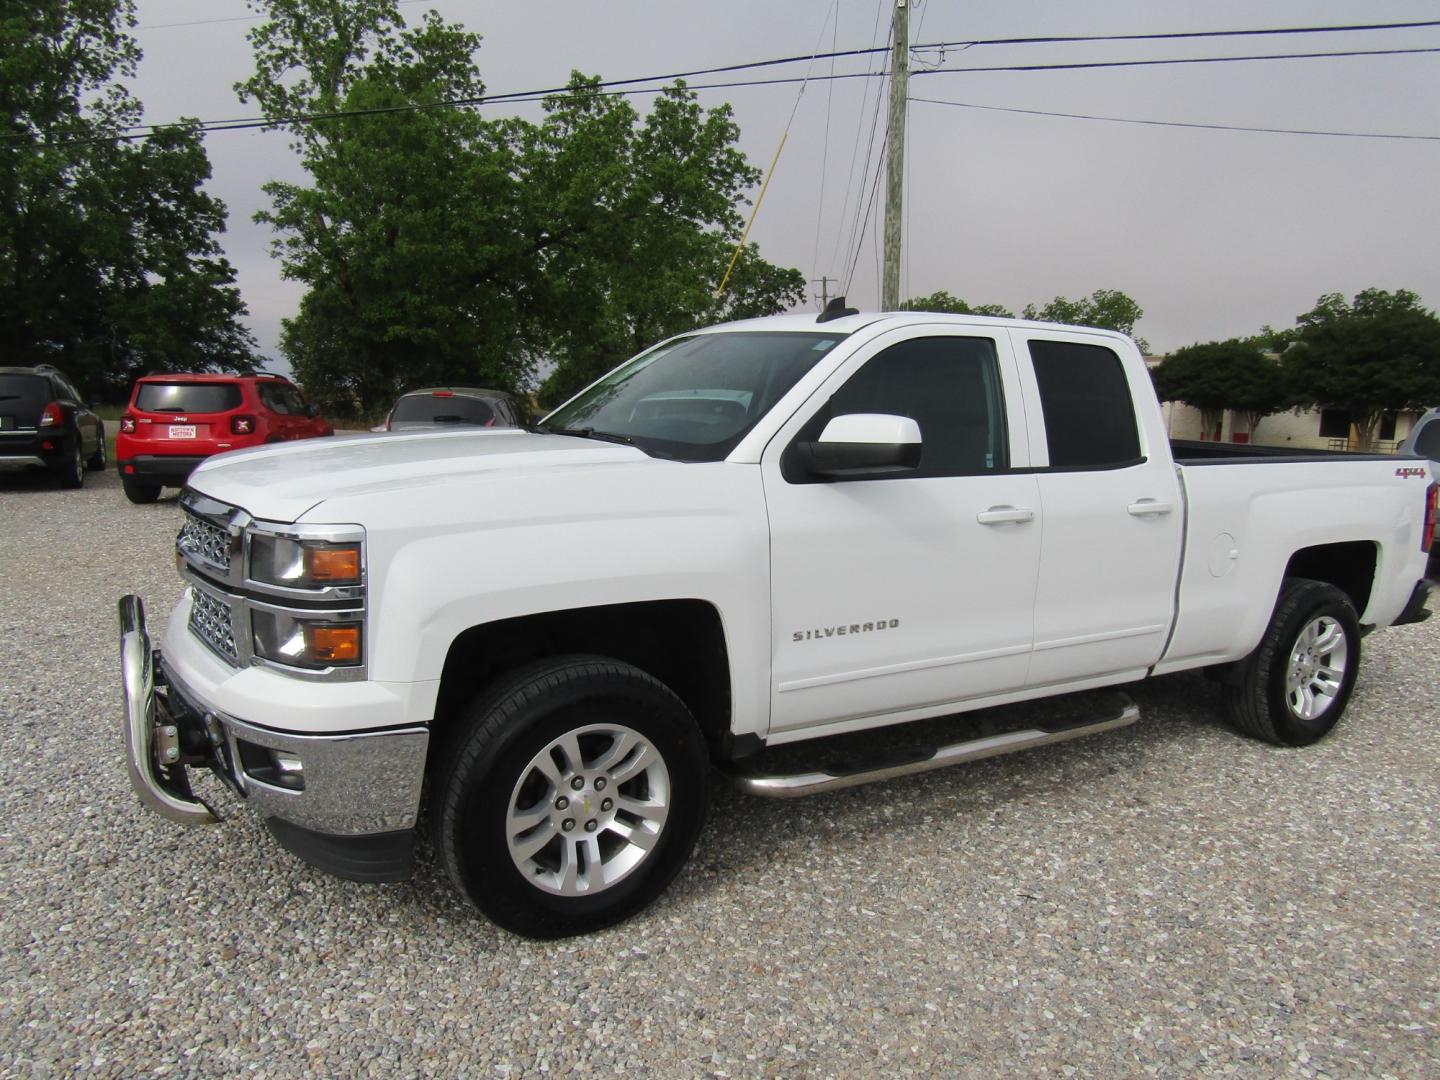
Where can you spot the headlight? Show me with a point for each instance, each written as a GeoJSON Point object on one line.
{"type": "Point", "coordinates": [309, 643]}
{"type": "Point", "coordinates": [303, 564]}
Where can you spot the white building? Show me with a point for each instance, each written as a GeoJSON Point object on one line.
{"type": "Point", "coordinates": [1311, 429]}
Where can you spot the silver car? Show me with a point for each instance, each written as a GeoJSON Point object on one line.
{"type": "Point", "coordinates": [441, 405]}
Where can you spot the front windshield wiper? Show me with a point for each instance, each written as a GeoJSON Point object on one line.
{"type": "Point", "coordinates": [584, 433]}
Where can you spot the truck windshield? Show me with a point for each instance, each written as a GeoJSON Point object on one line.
{"type": "Point", "coordinates": [695, 398]}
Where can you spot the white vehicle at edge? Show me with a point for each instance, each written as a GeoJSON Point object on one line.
{"type": "Point", "coordinates": [752, 535]}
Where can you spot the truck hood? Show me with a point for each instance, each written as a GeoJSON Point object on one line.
{"type": "Point", "coordinates": [283, 482]}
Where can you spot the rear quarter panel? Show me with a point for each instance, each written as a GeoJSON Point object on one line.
{"type": "Point", "coordinates": [1246, 519]}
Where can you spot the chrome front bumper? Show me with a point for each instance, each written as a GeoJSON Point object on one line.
{"type": "Point", "coordinates": [347, 785]}
{"type": "Point", "coordinates": [149, 736]}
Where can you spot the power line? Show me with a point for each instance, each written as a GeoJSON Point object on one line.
{"type": "Point", "coordinates": [855, 148]}
{"type": "Point", "coordinates": [1185, 60]}
{"type": "Point", "coordinates": [523, 96]}
{"type": "Point", "coordinates": [765, 185]}
{"type": "Point", "coordinates": [962, 44]}
{"type": "Point", "coordinates": [1182, 123]}
{"type": "Point", "coordinates": [869, 182]}
{"type": "Point", "coordinates": [1057, 39]}
{"type": "Point", "coordinates": [1176, 35]}
{"type": "Point", "coordinates": [825, 150]}
{"type": "Point", "coordinates": [140, 131]}
{"type": "Point", "coordinates": [865, 224]}
{"type": "Point", "coordinates": [236, 18]}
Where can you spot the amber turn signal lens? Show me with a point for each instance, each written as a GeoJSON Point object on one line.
{"type": "Point", "coordinates": [333, 565]}
{"type": "Point", "coordinates": [333, 644]}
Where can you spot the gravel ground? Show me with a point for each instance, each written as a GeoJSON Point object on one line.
{"type": "Point", "coordinates": [1168, 899]}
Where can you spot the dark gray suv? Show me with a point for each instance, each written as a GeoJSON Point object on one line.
{"type": "Point", "coordinates": [44, 423]}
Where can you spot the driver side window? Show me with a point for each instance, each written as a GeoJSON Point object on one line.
{"type": "Point", "coordinates": [950, 386]}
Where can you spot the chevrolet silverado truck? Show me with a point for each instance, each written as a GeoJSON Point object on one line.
{"type": "Point", "coordinates": [764, 533]}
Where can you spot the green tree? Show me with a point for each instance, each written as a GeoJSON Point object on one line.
{"type": "Point", "coordinates": [1109, 309]}
{"type": "Point", "coordinates": [943, 302]}
{"type": "Point", "coordinates": [1375, 355]}
{"type": "Point", "coordinates": [408, 210]}
{"type": "Point", "coordinates": [1220, 375]}
{"type": "Point", "coordinates": [439, 246]}
{"type": "Point", "coordinates": [1270, 340]}
{"type": "Point", "coordinates": [109, 258]}
{"type": "Point", "coordinates": [650, 210]}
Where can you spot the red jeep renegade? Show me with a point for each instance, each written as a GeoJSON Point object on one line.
{"type": "Point", "coordinates": [174, 422]}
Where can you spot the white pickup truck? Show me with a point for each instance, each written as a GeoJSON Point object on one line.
{"type": "Point", "coordinates": [756, 534]}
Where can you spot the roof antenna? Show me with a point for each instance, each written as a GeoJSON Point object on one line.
{"type": "Point", "coordinates": [836, 309]}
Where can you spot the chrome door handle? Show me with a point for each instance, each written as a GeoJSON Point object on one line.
{"type": "Point", "coordinates": [1149, 508]}
{"type": "Point", "coordinates": [1005, 515]}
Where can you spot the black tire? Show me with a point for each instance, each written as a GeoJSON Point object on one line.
{"type": "Point", "coordinates": [140, 492]}
{"type": "Point", "coordinates": [71, 471]}
{"type": "Point", "coordinates": [96, 461]}
{"type": "Point", "coordinates": [1260, 697]}
{"type": "Point", "coordinates": [491, 764]}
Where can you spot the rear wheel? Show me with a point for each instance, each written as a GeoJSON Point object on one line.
{"type": "Point", "coordinates": [71, 470]}
{"type": "Point", "coordinates": [140, 491]}
{"type": "Point", "coordinates": [96, 461]}
{"type": "Point", "coordinates": [574, 794]}
{"type": "Point", "coordinates": [1293, 689]}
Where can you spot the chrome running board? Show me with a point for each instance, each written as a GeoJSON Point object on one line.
{"type": "Point", "coordinates": [812, 783]}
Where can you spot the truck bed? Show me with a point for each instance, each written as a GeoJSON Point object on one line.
{"type": "Point", "coordinates": [1193, 452]}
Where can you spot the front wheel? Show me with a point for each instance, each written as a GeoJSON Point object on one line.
{"type": "Point", "coordinates": [573, 796]}
{"type": "Point", "coordinates": [1293, 689]}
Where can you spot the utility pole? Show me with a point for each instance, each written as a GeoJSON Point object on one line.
{"type": "Point", "coordinates": [895, 156]}
{"type": "Point", "coordinates": [824, 289]}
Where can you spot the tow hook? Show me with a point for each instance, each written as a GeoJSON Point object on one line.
{"type": "Point", "coordinates": [167, 744]}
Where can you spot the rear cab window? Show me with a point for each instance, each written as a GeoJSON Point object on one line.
{"type": "Point", "coordinates": [1085, 398]}
{"type": "Point", "coordinates": [163, 397]}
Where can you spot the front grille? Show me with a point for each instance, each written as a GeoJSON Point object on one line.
{"type": "Point", "coordinates": [205, 541]}
{"type": "Point", "coordinates": [210, 622]}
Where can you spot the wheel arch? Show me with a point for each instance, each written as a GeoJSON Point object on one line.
{"type": "Point", "coordinates": [1348, 565]}
{"type": "Point", "coordinates": [680, 642]}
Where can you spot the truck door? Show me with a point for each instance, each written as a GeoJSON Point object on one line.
{"type": "Point", "coordinates": [1110, 554]}
{"type": "Point", "coordinates": [910, 591]}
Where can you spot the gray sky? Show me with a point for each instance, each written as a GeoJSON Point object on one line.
{"type": "Point", "coordinates": [1213, 233]}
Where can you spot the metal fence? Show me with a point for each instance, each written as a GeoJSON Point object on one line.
{"type": "Point", "coordinates": [1382, 446]}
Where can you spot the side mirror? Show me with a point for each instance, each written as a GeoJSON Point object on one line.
{"type": "Point", "coordinates": [862, 446]}
{"type": "Point", "coordinates": [312, 411]}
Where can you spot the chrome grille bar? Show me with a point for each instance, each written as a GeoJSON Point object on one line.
{"type": "Point", "coordinates": [213, 623]}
